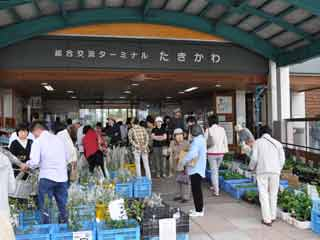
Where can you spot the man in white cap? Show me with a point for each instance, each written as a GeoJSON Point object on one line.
{"type": "Point", "coordinates": [159, 136]}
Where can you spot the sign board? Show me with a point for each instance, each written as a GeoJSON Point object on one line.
{"type": "Point", "coordinates": [143, 54]}
{"type": "Point", "coordinates": [36, 102]}
{"type": "Point", "coordinates": [167, 229]}
{"type": "Point", "coordinates": [224, 104]}
{"type": "Point", "coordinates": [228, 127]}
{"type": "Point", "coordinates": [83, 235]}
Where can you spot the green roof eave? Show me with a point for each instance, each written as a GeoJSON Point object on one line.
{"type": "Point", "coordinates": [28, 29]}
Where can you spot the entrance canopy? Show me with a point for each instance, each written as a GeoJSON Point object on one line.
{"type": "Point", "coordinates": [285, 31]}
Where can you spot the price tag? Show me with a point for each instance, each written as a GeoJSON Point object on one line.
{"type": "Point", "coordinates": [83, 235]}
{"type": "Point", "coordinates": [167, 229]}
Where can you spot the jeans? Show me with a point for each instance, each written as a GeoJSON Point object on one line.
{"type": "Point", "coordinates": [215, 162]}
{"type": "Point", "coordinates": [58, 190]}
{"type": "Point", "coordinates": [159, 161]}
{"type": "Point", "coordinates": [197, 191]}
{"type": "Point", "coordinates": [145, 159]}
{"type": "Point", "coordinates": [268, 186]}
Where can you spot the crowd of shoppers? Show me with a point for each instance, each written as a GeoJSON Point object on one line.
{"type": "Point", "coordinates": [164, 146]}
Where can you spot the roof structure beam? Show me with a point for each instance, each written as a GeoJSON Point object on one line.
{"type": "Point", "coordinates": [37, 7]}
{"type": "Point", "coordinates": [274, 19]}
{"type": "Point", "coordinates": [280, 15]}
{"type": "Point", "coordinates": [312, 6]}
{"type": "Point", "coordinates": [298, 55]}
{"type": "Point", "coordinates": [31, 28]}
{"type": "Point", "coordinates": [230, 7]}
{"type": "Point", "coordinates": [12, 3]}
{"type": "Point", "coordinates": [186, 5]}
{"type": "Point", "coordinates": [146, 6]}
{"type": "Point", "coordinates": [205, 10]}
{"type": "Point", "coordinates": [14, 14]}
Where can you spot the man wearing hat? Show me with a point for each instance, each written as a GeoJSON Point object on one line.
{"type": "Point", "coordinates": [159, 136]}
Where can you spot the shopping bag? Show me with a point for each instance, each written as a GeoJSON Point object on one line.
{"type": "Point", "coordinates": [23, 188]}
{"type": "Point", "coordinates": [182, 155]}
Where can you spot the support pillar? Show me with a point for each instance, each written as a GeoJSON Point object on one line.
{"type": "Point", "coordinates": [272, 94]}
{"type": "Point", "coordinates": [241, 107]}
{"type": "Point", "coordinates": [284, 105]}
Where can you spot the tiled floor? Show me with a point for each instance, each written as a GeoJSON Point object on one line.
{"type": "Point", "coordinates": [229, 219]}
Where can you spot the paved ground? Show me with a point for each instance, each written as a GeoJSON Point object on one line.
{"type": "Point", "coordinates": [229, 219]}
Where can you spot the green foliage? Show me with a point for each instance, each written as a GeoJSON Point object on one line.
{"type": "Point", "coordinates": [298, 205]}
{"type": "Point", "coordinates": [245, 186]}
{"type": "Point", "coordinates": [251, 196]}
{"type": "Point", "coordinates": [231, 175]}
{"type": "Point", "coordinates": [289, 163]}
{"type": "Point", "coordinates": [134, 209]}
{"type": "Point", "coordinates": [119, 224]}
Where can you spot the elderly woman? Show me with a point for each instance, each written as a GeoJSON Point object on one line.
{"type": "Point", "coordinates": [178, 146]}
{"type": "Point", "coordinates": [196, 160]}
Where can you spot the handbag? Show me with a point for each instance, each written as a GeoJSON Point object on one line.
{"type": "Point", "coordinates": [24, 188]}
{"type": "Point", "coordinates": [191, 163]}
{"type": "Point", "coordinates": [210, 142]}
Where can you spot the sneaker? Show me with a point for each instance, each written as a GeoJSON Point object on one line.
{"type": "Point", "coordinates": [164, 176]}
{"type": "Point", "coordinates": [194, 213]}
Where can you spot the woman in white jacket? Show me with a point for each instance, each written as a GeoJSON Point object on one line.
{"type": "Point", "coordinates": [217, 146]}
{"type": "Point", "coordinates": [7, 185]}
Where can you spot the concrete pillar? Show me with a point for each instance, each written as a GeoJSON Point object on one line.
{"type": "Point", "coordinates": [241, 107]}
{"type": "Point", "coordinates": [29, 112]}
{"type": "Point", "coordinates": [284, 105]}
{"type": "Point", "coordinates": [272, 94]}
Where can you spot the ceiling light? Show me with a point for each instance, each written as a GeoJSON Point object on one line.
{"type": "Point", "coordinates": [73, 97]}
{"type": "Point", "coordinates": [191, 89]}
{"type": "Point", "coordinates": [122, 97]}
{"type": "Point", "coordinates": [181, 92]}
{"type": "Point", "coordinates": [218, 85]}
{"type": "Point", "coordinates": [44, 84]}
{"type": "Point", "coordinates": [127, 92]}
{"type": "Point", "coordinates": [70, 91]}
{"type": "Point", "coordinates": [49, 88]}
{"type": "Point", "coordinates": [168, 97]}
{"type": "Point", "coordinates": [135, 84]}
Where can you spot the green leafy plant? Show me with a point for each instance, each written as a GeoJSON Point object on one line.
{"type": "Point", "coordinates": [119, 224]}
{"type": "Point", "coordinates": [231, 175]}
{"type": "Point", "coordinates": [302, 207]}
{"type": "Point", "coordinates": [134, 209]}
{"type": "Point", "coordinates": [251, 197]}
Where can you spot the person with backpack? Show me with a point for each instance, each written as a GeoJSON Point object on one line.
{"type": "Point", "coordinates": [217, 144]}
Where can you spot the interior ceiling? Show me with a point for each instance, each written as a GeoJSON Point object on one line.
{"type": "Point", "coordinates": [286, 31]}
{"type": "Point", "coordinates": [94, 84]}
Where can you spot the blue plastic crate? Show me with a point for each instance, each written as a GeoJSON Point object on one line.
{"type": "Point", "coordinates": [182, 236]}
{"type": "Point", "coordinates": [86, 212]}
{"type": "Point", "coordinates": [315, 221]}
{"type": "Point", "coordinates": [106, 233]}
{"type": "Point", "coordinates": [208, 174]}
{"type": "Point", "coordinates": [30, 217]}
{"type": "Point", "coordinates": [142, 187]}
{"type": "Point", "coordinates": [124, 190]}
{"type": "Point", "coordinates": [238, 193]}
{"type": "Point", "coordinates": [228, 183]}
{"type": "Point", "coordinates": [62, 232]}
{"type": "Point", "coordinates": [316, 204]}
{"type": "Point", "coordinates": [34, 232]}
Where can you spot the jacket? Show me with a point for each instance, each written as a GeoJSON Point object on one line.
{"type": "Point", "coordinates": [268, 156]}
{"type": "Point", "coordinates": [198, 150]}
{"type": "Point", "coordinates": [90, 143]}
{"type": "Point", "coordinates": [219, 138]}
{"type": "Point", "coordinates": [8, 184]}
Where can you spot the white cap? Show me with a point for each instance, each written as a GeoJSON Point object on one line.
{"type": "Point", "coordinates": [75, 121]}
{"type": "Point", "coordinates": [177, 131]}
{"type": "Point", "coordinates": [159, 119]}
